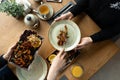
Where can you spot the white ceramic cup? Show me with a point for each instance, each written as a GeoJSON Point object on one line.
{"type": "Point", "coordinates": [44, 10]}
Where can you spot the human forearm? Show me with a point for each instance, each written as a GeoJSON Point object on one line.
{"type": "Point", "coordinates": [53, 72]}
{"type": "Point", "coordinates": [105, 34]}
{"type": "Point", "coordinates": [80, 6]}
{"type": "Point", "coordinates": [55, 67]}
{"type": "Point", "coordinates": [52, 76]}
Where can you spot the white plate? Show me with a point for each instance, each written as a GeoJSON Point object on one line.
{"type": "Point", "coordinates": [50, 15]}
{"type": "Point", "coordinates": [37, 71]}
{"type": "Point", "coordinates": [73, 34]}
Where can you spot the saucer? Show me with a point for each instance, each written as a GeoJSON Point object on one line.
{"type": "Point", "coordinates": [50, 15]}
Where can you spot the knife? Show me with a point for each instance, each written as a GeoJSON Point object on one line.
{"type": "Point", "coordinates": [61, 11]}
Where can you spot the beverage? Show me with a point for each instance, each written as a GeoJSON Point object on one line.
{"type": "Point", "coordinates": [77, 71]}
{"type": "Point", "coordinates": [51, 57]}
{"type": "Point", "coordinates": [44, 10]}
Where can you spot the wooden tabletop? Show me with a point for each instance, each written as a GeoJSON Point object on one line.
{"type": "Point", "coordinates": [92, 58]}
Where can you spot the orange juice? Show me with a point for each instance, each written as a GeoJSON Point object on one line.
{"type": "Point", "coordinates": [51, 57]}
{"type": "Point", "coordinates": [77, 71]}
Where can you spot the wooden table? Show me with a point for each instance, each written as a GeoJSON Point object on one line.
{"type": "Point", "coordinates": [92, 58]}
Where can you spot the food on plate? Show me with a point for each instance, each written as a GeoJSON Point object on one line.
{"type": "Point", "coordinates": [77, 71]}
{"type": "Point", "coordinates": [35, 41]}
{"type": "Point", "coordinates": [26, 47]}
{"type": "Point", "coordinates": [63, 36]}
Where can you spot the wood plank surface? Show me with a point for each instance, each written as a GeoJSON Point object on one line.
{"type": "Point", "coordinates": [92, 58]}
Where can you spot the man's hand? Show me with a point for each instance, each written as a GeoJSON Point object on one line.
{"type": "Point", "coordinates": [9, 52]}
{"type": "Point", "coordinates": [67, 16]}
{"type": "Point", "coordinates": [84, 42]}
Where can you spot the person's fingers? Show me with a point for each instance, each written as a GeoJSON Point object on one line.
{"type": "Point", "coordinates": [62, 17]}
{"type": "Point", "coordinates": [63, 56]}
{"type": "Point", "coordinates": [61, 52]}
{"type": "Point", "coordinates": [58, 18]}
{"type": "Point", "coordinates": [69, 18]}
{"type": "Point", "coordinates": [53, 22]}
{"type": "Point", "coordinates": [14, 46]}
{"type": "Point", "coordinates": [10, 50]}
{"type": "Point", "coordinates": [81, 44]}
{"type": "Point", "coordinates": [65, 65]}
{"type": "Point", "coordinates": [80, 47]}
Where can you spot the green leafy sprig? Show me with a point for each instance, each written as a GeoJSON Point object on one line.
{"type": "Point", "coordinates": [12, 8]}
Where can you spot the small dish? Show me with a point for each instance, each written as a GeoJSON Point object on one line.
{"type": "Point", "coordinates": [52, 56]}
{"type": "Point", "coordinates": [77, 70]}
{"type": "Point", "coordinates": [50, 14]}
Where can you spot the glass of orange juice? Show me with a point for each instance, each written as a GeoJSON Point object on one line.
{"type": "Point", "coordinates": [51, 57]}
{"type": "Point", "coordinates": [77, 70]}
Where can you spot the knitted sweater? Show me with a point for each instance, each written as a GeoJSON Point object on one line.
{"type": "Point", "coordinates": [105, 13]}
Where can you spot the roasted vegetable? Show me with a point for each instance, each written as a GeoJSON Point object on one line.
{"type": "Point", "coordinates": [62, 37]}
{"type": "Point", "coordinates": [27, 46]}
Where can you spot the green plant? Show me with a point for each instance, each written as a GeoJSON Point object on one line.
{"type": "Point", "coordinates": [12, 8]}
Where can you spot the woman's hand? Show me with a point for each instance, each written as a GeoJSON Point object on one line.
{"type": "Point", "coordinates": [67, 15]}
{"type": "Point", "coordinates": [9, 52]}
{"type": "Point", "coordinates": [84, 42]}
{"type": "Point", "coordinates": [58, 63]}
